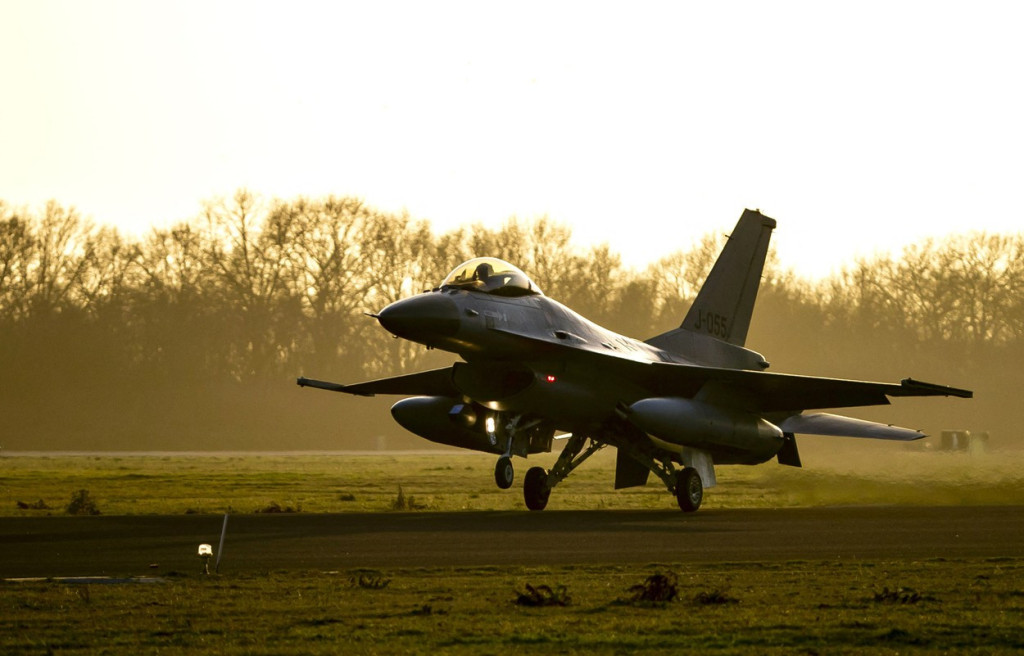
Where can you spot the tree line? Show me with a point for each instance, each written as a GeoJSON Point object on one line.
{"type": "Point", "coordinates": [189, 336]}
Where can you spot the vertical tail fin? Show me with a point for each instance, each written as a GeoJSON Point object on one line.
{"type": "Point", "coordinates": [725, 303]}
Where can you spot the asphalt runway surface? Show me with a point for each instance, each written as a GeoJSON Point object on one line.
{"type": "Point", "coordinates": [157, 545]}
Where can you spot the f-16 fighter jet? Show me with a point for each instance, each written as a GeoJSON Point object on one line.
{"type": "Point", "coordinates": [674, 405]}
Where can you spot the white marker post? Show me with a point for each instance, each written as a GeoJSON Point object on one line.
{"type": "Point", "coordinates": [220, 545]}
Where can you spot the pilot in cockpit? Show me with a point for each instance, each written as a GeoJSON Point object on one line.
{"type": "Point", "coordinates": [492, 276]}
{"type": "Point", "coordinates": [483, 272]}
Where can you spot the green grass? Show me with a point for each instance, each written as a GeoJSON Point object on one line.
{"type": "Point", "coordinates": [834, 473]}
{"type": "Point", "coordinates": [794, 607]}
{"type": "Point", "coordinates": [934, 606]}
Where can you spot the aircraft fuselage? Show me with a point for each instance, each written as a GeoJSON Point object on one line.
{"type": "Point", "coordinates": [516, 362]}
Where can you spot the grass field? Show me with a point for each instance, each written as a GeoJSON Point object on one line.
{"type": "Point", "coordinates": [933, 606]}
{"type": "Point", "coordinates": [834, 473]}
{"type": "Point", "coordinates": [797, 607]}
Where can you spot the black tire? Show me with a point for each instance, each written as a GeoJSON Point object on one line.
{"type": "Point", "coordinates": [535, 489]}
{"type": "Point", "coordinates": [504, 473]}
{"type": "Point", "coordinates": [689, 489]}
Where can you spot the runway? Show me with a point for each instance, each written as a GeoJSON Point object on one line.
{"type": "Point", "coordinates": [159, 545]}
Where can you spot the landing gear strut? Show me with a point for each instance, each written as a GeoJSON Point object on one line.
{"type": "Point", "coordinates": [685, 484]}
{"type": "Point", "coordinates": [538, 483]}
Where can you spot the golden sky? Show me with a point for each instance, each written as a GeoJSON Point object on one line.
{"type": "Point", "coordinates": [858, 125]}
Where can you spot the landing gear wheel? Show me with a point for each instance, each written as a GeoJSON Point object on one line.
{"type": "Point", "coordinates": [535, 489]}
{"type": "Point", "coordinates": [689, 489]}
{"type": "Point", "coordinates": [504, 473]}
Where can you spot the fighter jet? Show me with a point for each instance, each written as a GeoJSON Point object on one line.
{"type": "Point", "coordinates": [674, 405]}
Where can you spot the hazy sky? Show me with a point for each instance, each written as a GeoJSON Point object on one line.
{"type": "Point", "coordinates": [857, 125]}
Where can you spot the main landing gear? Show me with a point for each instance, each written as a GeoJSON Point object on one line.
{"type": "Point", "coordinates": [689, 489]}
{"type": "Point", "coordinates": [535, 489]}
{"type": "Point", "coordinates": [538, 484]}
{"type": "Point", "coordinates": [685, 484]}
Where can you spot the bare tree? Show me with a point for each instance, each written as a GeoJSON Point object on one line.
{"type": "Point", "coordinates": [17, 251]}
{"type": "Point", "coordinates": [109, 271]}
{"type": "Point", "coordinates": [254, 259]}
{"type": "Point", "coordinates": [61, 252]}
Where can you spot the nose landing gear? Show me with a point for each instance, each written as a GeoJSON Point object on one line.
{"type": "Point", "coordinates": [504, 473]}
{"type": "Point", "coordinates": [519, 439]}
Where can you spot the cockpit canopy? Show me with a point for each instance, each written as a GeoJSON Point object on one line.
{"type": "Point", "coordinates": [491, 275]}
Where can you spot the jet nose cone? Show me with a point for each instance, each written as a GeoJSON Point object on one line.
{"type": "Point", "coordinates": [424, 318]}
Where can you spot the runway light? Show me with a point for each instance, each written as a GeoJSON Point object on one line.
{"type": "Point", "coordinates": [205, 552]}
{"type": "Point", "coordinates": [550, 378]}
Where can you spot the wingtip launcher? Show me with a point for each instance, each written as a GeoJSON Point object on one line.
{"type": "Point", "coordinates": [919, 388]}
{"type": "Point", "coordinates": [330, 387]}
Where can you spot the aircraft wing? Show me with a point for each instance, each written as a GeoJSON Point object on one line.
{"type": "Point", "coordinates": [770, 392]}
{"type": "Point", "coordinates": [759, 390]}
{"type": "Point", "coordinates": [435, 382]}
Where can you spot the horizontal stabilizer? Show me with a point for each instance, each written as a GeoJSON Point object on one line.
{"type": "Point", "coordinates": [838, 426]}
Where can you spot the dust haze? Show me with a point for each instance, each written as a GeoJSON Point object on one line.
{"type": "Point", "coordinates": [191, 337]}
